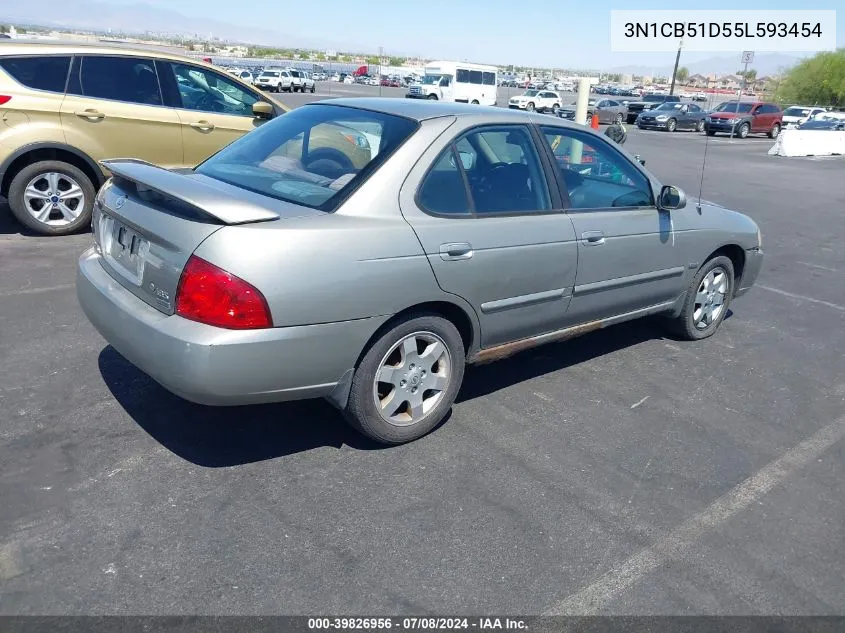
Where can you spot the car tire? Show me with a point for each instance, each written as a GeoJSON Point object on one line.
{"type": "Point", "coordinates": [699, 127]}
{"type": "Point", "coordinates": [773, 133]}
{"type": "Point", "coordinates": [530, 107]}
{"type": "Point", "coordinates": [432, 97]}
{"type": "Point", "coordinates": [671, 125]}
{"type": "Point", "coordinates": [68, 176]}
{"type": "Point", "coordinates": [475, 102]}
{"type": "Point", "coordinates": [434, 347]}
{"type": "Point", "coordinates": [313, 88]}
{"type": "Point", "coordinates": [556, 109]}
{"type": "Point", "coordinates": [711, 133]}
{"type": "Point", "coordinates": [743, 130]}
{"type": "Point", "coordinates": [693, 323]}
{"type": "Point", "coordinates": [618, 119]}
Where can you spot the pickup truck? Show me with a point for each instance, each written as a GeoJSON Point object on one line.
{"type": "Point", "coordinates": [647, 102]}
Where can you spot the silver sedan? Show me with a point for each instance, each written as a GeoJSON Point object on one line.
{"type": "Point", "coordinates": [288, 267]}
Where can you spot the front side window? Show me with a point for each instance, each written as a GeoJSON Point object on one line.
{"type": "Point", "coordinates": [204, 90]}
{"type": "Point", "coordinates": [129, 79]}
{"type": "Point", "coordinates": [47, 72]}
{"type": "Point", "coordinates": [502, 171]}
{"type": "Point", "coordinates": [594, 174]}
{"type": "Point", "coordinates": [312, 156]}
{"type": "Point", "coordinates": [733, 107]}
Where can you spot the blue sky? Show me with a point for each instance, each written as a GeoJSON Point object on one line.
{"type": "Point", "coordinates": [564, 33]}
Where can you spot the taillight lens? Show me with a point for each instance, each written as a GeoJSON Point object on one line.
{"type": "Point", "coordinates": [211, 295]}
{"type": "Point", "coordinates": [5, 99]}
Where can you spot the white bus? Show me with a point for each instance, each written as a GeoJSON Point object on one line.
{"type": "Point", "coordinates": [457, 81]}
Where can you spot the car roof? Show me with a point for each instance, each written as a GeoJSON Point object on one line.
{"type": "Point", "coordinates": [70, 47]}
{"type": "Point", "coordinates": [423, 109]}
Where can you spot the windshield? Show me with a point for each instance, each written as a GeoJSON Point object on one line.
{"type": "Point", "coordinates": [793, 111]}
{"type": "Point", "coordinates": [653, 98]}
{"type": "Point", "coordinates": [431, 79]}
{"type": "Point", "coordinates": [311, 155]}
{"type": "Point", "coordinates": [667, 106]}
{"type": "Point", "coordinates": [529, 93]}
{"type": "Point", "coordinates": [733, 107]}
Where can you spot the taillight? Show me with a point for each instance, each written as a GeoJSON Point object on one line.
{"type": "Point", "coordinates": [211, 295]}
{"type": "Point", "coordinates": [5, 99]}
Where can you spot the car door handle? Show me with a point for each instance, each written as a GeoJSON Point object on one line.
{"type": "Point", "coordinates": [455, 251]}
{"type": "Point", "coordinates": [91, 114]}
{"type": "Point", "coordinates": [593, 238]}
{"type": "Point", "coordinates": [203, 126]}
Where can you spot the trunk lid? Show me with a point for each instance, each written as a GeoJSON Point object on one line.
{"type": "Point", "coordinates": [148, 221]}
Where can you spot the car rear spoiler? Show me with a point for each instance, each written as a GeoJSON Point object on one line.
{"type": "Point", "coordinates": [207, 199]}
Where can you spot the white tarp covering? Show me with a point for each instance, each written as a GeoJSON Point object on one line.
{"type": "Point", "coordinates": [809, 143]}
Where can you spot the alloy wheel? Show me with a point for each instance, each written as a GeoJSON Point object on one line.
{"type": "Point", "coordinates": [710, 298]}
{"type": "Point", "coordinates": [412, 378]}
{"type": "Point", "coordinates": [54, 199]}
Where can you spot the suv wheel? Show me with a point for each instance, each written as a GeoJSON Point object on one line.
{"type": "Point", "coordinates": [743, 130]}
{"type": "Point", "coordinates": [773, 133]}
{"type": "Point", "coordinates": [52, 197]}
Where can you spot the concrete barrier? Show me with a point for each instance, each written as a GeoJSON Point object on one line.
{"type": "Point", "coordinates": [809, 143]}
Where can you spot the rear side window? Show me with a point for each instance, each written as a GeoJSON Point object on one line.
{"type": "Point", "coordinates": [489, 79]}
{"type": "Point", "coordinates": [475, 77]}
{"type": "Point", "coordinates": [462, 76]}
{"type": "Point", "coordinates": [40, 73]}
{"type": "Point", "coordinates": [129, 79]}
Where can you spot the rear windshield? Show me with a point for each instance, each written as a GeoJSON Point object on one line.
{"type": "Point", "coordinates": [312, 156]}
{"type": "Point", "coordinates": [654, 98]}
{"type": "Point", "coordinates": [270, 73]}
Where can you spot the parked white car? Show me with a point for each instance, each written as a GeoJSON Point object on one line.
{"type": "Point", "coordinates": [275, 79]}
{"type": "Point", "coordinates": [539, 100]}
{"type": "Point", "coordinates": [349, 79]}
{"type": "Point", "coordinates": [796, 115]}
{"type": "Point", "coordinates": [301, 81]}
{"type": "Point", "coordinates": [243, 75]}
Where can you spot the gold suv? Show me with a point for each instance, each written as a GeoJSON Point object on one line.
{"type": "Point", "coordinates": [65, 107]}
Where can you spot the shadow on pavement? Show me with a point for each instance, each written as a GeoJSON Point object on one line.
{"type": "Point", "coordinates": [482, 380]}
{"type": "Point", "coordinates": [216, 437]}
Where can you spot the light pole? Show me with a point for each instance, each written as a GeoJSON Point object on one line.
{"type": "Point", "coordinates": [675, 71]}
{"type": "Point", "coordinates": [380, 58]}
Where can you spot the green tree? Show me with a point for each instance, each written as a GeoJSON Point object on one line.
{"type": "Point", "coordinates": [397, 61]}
{"type": "Point", "coordinates": [373, 60]}
{"type": "Point", "coordinates": [613, 77]}
{"type": "Point", "coordinates": [346, 58]}
{"type": "Point", "coordinates": [751, 75]}
{"type": "Point", "coordinates": [4, 28]}
{"type": "Point", "coordinates": [682, 75]}
{"type": "Point", "coordinates": [321, 57]}
{"type": "Point", "coordinates": [819, 79]}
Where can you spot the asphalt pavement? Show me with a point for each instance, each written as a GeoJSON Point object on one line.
{"type": "Point", "coordinates": [623, 472]}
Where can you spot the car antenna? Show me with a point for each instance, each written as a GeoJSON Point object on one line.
{"type": "Point", "coordinates": [703, 162]}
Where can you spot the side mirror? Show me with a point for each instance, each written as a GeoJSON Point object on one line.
{"type": "Point", "coordinates": [262, 110]}
{"type": "Point", "coordinates": [671, 198]}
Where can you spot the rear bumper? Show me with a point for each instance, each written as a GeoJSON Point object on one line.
{"type": "Point", "coordinates": [214, 366]}
{"type": "Point", "coordinates": [751, 270]}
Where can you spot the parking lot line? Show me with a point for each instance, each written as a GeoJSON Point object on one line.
{"type": "Point", "coordinates": [792, 295]}
{"type": "Point", "coordinates": [33, 291]}
{"type": "Point", "coordinates": [592, 598]}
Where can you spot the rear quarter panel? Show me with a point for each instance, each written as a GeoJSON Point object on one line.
{"type": "Point", "coordinates": [364, 260]}
{"type": "Point", "coordinates": [30, 116]}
